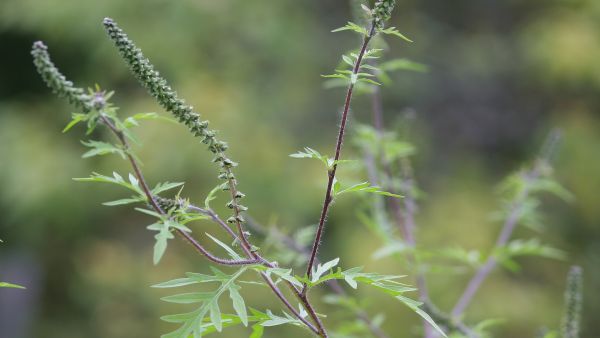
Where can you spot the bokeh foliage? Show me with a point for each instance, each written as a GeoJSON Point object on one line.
{"type": "Point", "coordinates": [501, 74]}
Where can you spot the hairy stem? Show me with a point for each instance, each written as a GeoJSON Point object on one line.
{"type": "Point", "coordinates": [338, 149]}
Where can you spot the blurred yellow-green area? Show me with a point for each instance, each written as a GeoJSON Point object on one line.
{"type": "Point", "coordinates": [501, 75]}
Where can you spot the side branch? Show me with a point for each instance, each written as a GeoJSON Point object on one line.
{"type": "Point", "coordinates": [152, 201]}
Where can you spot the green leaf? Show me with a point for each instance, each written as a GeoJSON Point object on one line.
{"type": "Point", "coordinates": [285, 274]}
{"type": "Point", "coordinates": [531, 247]}
{"type": "Point", "coordinates": [414, 305]}
{"type": "Point", "coordinates": [124, 201]}
{"type": "Point", "coordinates": [348, 60]}
{"type": "Point", "coordinates": [188, 298]}
{"type": "Point", "coordinates": [336, 76]}
{"type": "Point", "coordinates": [395, 32]}
{"type": "Point", "coordinates": [311, 153]}
{"type": "Point", "coordinates": [159, 248]}
{"type": "Point", "coordinates": [116, 179]}
{"type": "Point", "coordinates": [553, 187]}
{"type": "Point", "coordinates": [215, 315]}
{"type": "Point", "coordinates": [227, 248]}
{"type": "Point", "coordinates": [257, 331]}
{"type": "Point", "coordinates": [275, 320]}
{"type": "Point", "coordinates": [366, 187]}
{"type": "Point", "coordinates": [323, 268]}
{"type": "Point", "coordinates": [238, 304]}
{"type": "Point", "coordinates": [161, 187]}
{"type": "Point", "coordinates": [10, 285]}
{"type": "Point", "coordinates": [176, 283]}
{"type": "Point", "coordinates": [212, 195]}
{"type": "Point", "coordinates": [133, 121]}
{"type": "Point", "coordinates": [403, 64]}
{"type": "Point", "coordinates": [350, 26]}
{"type": "Point", "coordinates": [75, 118]}
{"type": "Point", "coordinates": [101, 148]}
{"type": "Point", "coordinates": [195, 323]}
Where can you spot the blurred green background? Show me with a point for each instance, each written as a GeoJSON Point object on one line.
{"type": "Point", "coordinates": [501, 75]}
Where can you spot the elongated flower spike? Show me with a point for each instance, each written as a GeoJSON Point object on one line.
{"type": "Point", "coordinates": [57, 81]}
{"type": "Point", "coordinates": [158, 87]}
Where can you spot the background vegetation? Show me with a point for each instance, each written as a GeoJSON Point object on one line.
{"type": "Point", "coordinates": [501, 74]}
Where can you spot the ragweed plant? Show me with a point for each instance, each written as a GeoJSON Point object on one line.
{"type": "Point", "coordinates": [173, 215]}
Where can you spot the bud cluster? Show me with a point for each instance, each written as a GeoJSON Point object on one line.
{"type": "Point", "coordinates": [382, 12]}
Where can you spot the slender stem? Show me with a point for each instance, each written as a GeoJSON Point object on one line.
{"type": "Point", "coordinates": [338, 149]}
{"type": "Point", "coordinates": [507, 229]}
{"type": "Point", "coordinates": [290, 306]}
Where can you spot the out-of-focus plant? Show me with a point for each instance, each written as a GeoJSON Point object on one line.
{"type": "Point", "coordinates": [174, 215]}
{"type": "Point", "coordinates": [10, 285]}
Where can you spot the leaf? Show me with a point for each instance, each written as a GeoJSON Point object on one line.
{"type": "Point", "coordinates": [124, 201]}
{"type": "Point", "coordinates": [159, 248]}
{"type": "Point", "coordinates": [532, 247]}
{"type": "Point", "coordinates": [394, 150]}
{"type": "Point", "coordinates": [176, 283]}
{"type": "Point", "coordinates": [390, 249]}
{"type": "Point", "coordinates": [229, 250]}
{"type": "Point", "coordinates": [552, 187]}
{"type": "Point", "coordinates": [275, 320]}
{"type": "Point", "coordinates": [323, 268]}
{"type": "Point", "coordinates": [387, 284]}
{"type": "Point", "coordinates": [215, 315]}
{"type": "Point", "coordinates": [211, 195]}
{"type": "Point", "coordinates": [75, 118]}
{"type": "Point", "coordinates": [10, 285]}
{"type": "Point", "coordinates": [195, 323]}
{"type": "Point", "coordinates": [238, 304]}
{"type": "Point", "coordinates": [101, 148]}
{"type": "Point", "coordinates": [395, 32]}
{"type": "Point", "coordinates": [414, 305]}
{"type": "Point", "coordinates": [348, 60]}
{"type": "Point", "coordinates": [336, 76]}
{"type": "Point", "coordinates": [161, 187]}
{"type": "Point", "coordinates": [311, 153]}
{"type": "Point", "coordinates": [188, 298]}
{"type": "Point", "coordinates": [352, 27]}
{"type": "Point", "coordinates": [133, 121]}
{"type": "Point", "coordinates": [285, 274]}
{"type": "Point", "coordinates": [366, 187]}
{"type": "Point", "coordinates": [115, 179]}
{"type": "Point", "coordinates": [403, 64]}
{"type": "Point", "coordinates": [257, 331]}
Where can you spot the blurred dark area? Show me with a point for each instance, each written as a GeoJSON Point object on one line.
{"type": "Point", "coordinates": [502, 74]}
